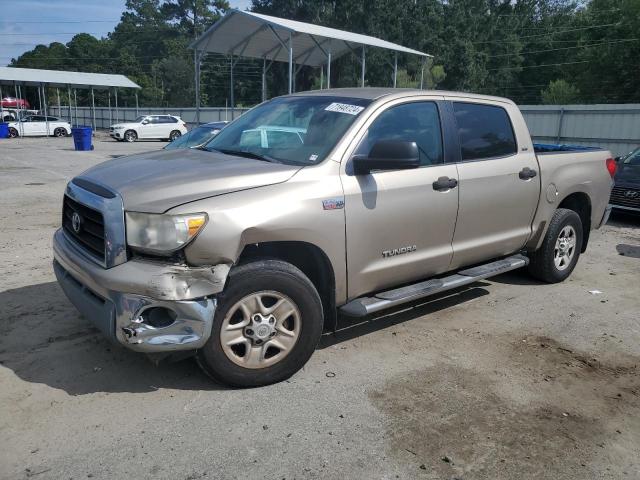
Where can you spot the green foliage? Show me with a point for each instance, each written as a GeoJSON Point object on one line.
{"type": "Point", "coordinates": [513, 48]}
{"type": "Point", "coordinates": [560, 92]}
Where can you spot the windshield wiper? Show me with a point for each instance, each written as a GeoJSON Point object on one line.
{"type": "Point", "coordinates": [247, 154]}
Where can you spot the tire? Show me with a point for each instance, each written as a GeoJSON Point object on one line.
{"type": "Point", "coordinates": [174, 134]}
{"type": "Point", "coordinates": [13, 133]}
{"type": "Point", "coordinates": [277, 283]}
{"type": "Point", "coordinates": [130, 136]}
{"type": "Point", "coordinates": [60, 132]}
{"type": "Point", "coordinates": [548, 262]}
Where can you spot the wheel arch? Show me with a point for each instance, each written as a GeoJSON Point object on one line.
{"type": "Point", "coordinates": [580, 202]}
{"type": "Point", "coordinates": [310, 259]}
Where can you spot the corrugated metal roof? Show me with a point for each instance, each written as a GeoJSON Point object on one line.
{"type": "Point", "coordinates": [61, 78]}
{"type": "Point", "coordinates": [254, 35]}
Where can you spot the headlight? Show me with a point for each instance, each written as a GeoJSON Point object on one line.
{"type": "Point", "coordinates": [160, 233]}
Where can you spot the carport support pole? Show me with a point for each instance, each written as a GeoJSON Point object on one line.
{"type": "Point", "coordinates": [115, 94]}
{"type": "Point", "coordinates": [15, 86]}
{"type": "Point", "coordinates": [109, 99]}
{"type": "Point", "coordinates": [46, 113]}
{"type": "Point", "coordinates": [198, 116]}
{"type": "Point", "coordinates": [93, 110]}
{"type": "Point", "coordinates": [329, 70]}
{"type": "Point", "coordinates": [75, 105]}
{"type": "Point", "coordinates": [422, 74]}
{"type": "Point", "coordinates": [59, 107]}
{"type": "Point", "coordinates": [290, 64]}
{"type": "Point", "coordinates": [69, 95]}
{"type": "Point", "coordinates": [196, 62]}
{"type": "Point", "coordinates": [231, 85]}
{"type": "Point", "coordinates": [39, 99]}
{"type": "Point", "coordinates": [363, 65]}
{"type": "Point", "coordinates": [395, 70]}
{"type": "Point", "coordinates": [264, 78]}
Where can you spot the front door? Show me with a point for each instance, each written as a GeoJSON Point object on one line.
{"type": "Point", "coordinates": [399, 225]}
{"type": "Point", "coordinates": [499, 182]}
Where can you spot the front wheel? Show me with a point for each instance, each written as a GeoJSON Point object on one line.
{"type": "Point", "coordinates": [554, 261]}
{"type": "Point", "coordinates": [13, 133]}
{"type": "Point", "coordinates": [130, 136]}
{"type": "Point", "coordinates": [266, 326]}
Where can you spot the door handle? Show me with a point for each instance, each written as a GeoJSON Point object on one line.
{"type": "Point", "coordinates": [445, 183]}
{"type": "Point", "coordinates": [526, 173]}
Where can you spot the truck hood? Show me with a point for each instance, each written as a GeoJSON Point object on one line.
{"type": "Point", "coordinates": [155, 182]}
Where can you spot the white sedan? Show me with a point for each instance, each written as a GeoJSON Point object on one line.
{"type": "Point", "coordinates": [160, 127]}
{"type": "Point", "coordinates": [39, 125]}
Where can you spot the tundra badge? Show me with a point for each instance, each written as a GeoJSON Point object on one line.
{"type": "Point", "coordinates": [399, 251]}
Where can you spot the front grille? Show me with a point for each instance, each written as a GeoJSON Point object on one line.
{"type": "Point", "coordinates": [91, 232]}
{"type": "Point", "coordinates": [619, 196]}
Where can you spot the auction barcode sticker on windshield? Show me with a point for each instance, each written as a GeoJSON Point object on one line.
{"type": "Point", "coordinates": [344, 108]}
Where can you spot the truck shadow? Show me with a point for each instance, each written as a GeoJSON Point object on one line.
{"type": "Point", "coordinates": [350, 328]}
{"type": "Point", "coordinates": [45, 340]}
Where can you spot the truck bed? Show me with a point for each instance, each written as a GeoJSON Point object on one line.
{"type": "Point", "coordinates": [542, 148]}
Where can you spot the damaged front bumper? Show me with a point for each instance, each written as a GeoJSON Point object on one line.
{"type": "Point", "coordinates": [143, 305]}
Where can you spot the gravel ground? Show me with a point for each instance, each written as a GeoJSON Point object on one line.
{"type": "Point", "coordinates": [507, 379]}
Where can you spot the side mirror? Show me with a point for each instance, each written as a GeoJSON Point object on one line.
{"type": "Point", "coordinates": [388, 155]}
{"type": "Point", "coordinates": [145, 122]}
{"type": "Point", "coordinates": [617, 159]}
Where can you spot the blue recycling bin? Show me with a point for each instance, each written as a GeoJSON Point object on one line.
{"type": "Point", "coordinates": [82, 137]}
{"type": "Point", "coordinates": [4, 130]}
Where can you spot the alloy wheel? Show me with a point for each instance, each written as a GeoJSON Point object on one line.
{"type": "Point", "coordinates": [260, 329]}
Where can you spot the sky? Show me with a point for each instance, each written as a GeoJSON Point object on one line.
{"type": "Point", "coordinates": [31, 22]}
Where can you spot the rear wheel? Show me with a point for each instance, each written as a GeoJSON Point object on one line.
{"type": "Point", "coordinates": [266, 326]}
{"type": "Point", "coordinates": [130, 136]}
{"type": "Point", "coordinates": [175, 134]}
{"type": "Point", "coordinates": [557, 257]}
{"type": "Point", "coordinates": [60, 132]}
{"type": "Point", "coordinates": [13, 133]}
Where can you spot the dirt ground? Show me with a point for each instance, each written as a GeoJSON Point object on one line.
{"type": "Point", "coordinates": [508, 379]}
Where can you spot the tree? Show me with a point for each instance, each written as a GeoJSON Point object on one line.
{"type": "Point", "coordinates": [560, 92]}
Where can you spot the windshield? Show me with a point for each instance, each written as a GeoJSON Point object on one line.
{"type": "Point", "coordinates": [290, 130]}
{"type": "Point", "coordinates": [195, 137]}
{"type": "Point", "coordinates": [139, 119]}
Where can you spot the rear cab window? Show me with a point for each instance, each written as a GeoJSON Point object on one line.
{"type": "Point", "coordinates": [484, 131]}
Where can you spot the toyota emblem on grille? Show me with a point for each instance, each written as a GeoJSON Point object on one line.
{"type": "Point", "coordinates": [76, 222]}
{"type": "Point", "coordinates": [631, 194]}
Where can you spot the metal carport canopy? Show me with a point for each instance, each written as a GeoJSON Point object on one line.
{"type": "Point", "coordinates": [42, 79]}
{"type": "Point", "coordinates": [60, 78]}
{"type": "Point", "coordinates": [254, 35]}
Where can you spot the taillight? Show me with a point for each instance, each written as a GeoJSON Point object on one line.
{"type": "Point", "coordinates": [612, 166]}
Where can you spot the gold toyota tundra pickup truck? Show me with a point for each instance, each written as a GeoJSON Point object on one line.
{"type": "Point", "coordinates": [315, 205]}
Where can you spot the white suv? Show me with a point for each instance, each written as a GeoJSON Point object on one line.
{"type": "Point", "coordinates": [161, 127]}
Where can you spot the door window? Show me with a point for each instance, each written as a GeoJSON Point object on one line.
{"type": "Point", "coordinates": [410, 122]}
{"type": "Point", "coordinates": [485, 131]}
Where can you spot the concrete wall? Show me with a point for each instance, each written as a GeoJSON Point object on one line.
{"type": "Point", "coordinates": [614, 127]}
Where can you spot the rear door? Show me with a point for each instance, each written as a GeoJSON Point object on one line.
{"type": "Point", "coordinates": [499, 181]}
{"type": "Point", "coordinates": [399, 226]}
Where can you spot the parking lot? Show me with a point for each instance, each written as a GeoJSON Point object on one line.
{"type": "Point", "coordinates": [507, 379]}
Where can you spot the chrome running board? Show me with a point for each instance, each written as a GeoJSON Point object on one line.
{"type": "Point", "coordinates": [363, 306]}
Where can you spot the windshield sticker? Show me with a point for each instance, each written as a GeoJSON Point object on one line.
{"type": "Point", "coordinates": [344, 108]}
{"type": "Point", "coordinates": [313, 158]}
